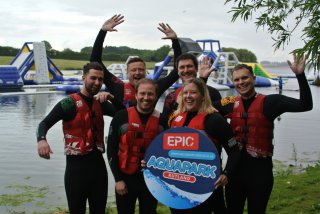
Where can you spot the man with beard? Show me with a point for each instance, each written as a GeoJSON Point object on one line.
{"type": "Point", "coordinates": [86, 175]}
{"type": "Point", "coordinates": [136, 67]}
{"type": "Point", "coordinates": [131, 132]}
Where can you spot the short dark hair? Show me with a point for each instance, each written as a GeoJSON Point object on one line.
{"type": "Point", "coordinates": [243, 66]}
{"type": "Point", "coordinates": [92, 65]}
{"type": "Point", "coordinates": [146, 81]}
{"type": "Point", "coordinates": [135, 59]}
{"type": "Point", "coordinates": [188, 56]}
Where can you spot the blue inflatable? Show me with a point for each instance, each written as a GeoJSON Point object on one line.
{"type": "Point", "coordinates": [10, 78]}
{"type": "Point", "coordinates": [68, 89]}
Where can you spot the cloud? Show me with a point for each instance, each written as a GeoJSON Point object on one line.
{"type": "Point", "coordinates": [75, 23]}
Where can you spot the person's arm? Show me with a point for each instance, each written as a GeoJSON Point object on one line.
{"type": "Point", "coordinates": [110, 105]}
{"type": "Point", "coordinates": [113, 149]}
{"type": "Point", "coordinates": [219, 128]}
{"type": "Point", "coordinates": [276, 104]}
{"type": "Point", "coordinates": [113, 144]}
{"type": "Point", "coordinates": [64, 110]}
{"type": "Point", "coordinates": [111, 81]}
{"type": "Point", "coordinates": [214, 94]}
{"type": "Point", "coordinates": [96, 54]}
{"type": "Point", "coordinates": [172, 77]}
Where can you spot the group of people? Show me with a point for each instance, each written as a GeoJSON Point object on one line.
{"type": "Point", "coordinates": [247, 140]}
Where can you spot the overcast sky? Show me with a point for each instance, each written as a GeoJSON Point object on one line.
{"type": "Point", "coordinates": [74, 24]}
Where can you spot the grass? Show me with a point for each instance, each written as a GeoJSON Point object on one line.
{"type": "Point", "coordinates": [292, 193]}
{"type": "Point", "coordinates": [64, 64]}
{"type": "Point", "coordinates": [296, 193]}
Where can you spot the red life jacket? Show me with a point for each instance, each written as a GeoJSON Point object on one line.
{"type": "Point", "coordinates": [136, 140]}
{"type": "Point", "coordinates": [197, 123]}
{"type": "Point", "coordinates": [85, 130]}
{"type": "Point", "coordinates": [252, 129]}
{"type": "Point", "coordinates": [128, 94]}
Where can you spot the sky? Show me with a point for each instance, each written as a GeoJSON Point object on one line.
{"type": "Point", "coordinates": [74, 24]}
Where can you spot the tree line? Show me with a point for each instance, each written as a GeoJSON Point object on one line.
{"type": "Point", "coordinates": [113, 53]}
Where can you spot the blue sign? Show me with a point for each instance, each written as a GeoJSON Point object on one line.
{"type": "Point", "coordinates": [182, 165]}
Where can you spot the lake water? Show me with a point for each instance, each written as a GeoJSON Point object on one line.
{"type": "Point", "coordinates": [22, 171]}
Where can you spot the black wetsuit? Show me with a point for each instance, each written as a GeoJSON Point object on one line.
{"type": "Point", "coordinates": [254, 178]}
{"type": "Point", "coordinates": [135, 183]}
{"type": "Point", "coordinates": [86, 176]}
{"type": "Point", "coordinates": [115, 85]}
{"type": "Point", "coordinates": [218, 128]}
{"type": "Point", "coordinates": [170, 104]}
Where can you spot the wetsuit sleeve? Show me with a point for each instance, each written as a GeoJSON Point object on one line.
{"type": "Point", "coordinates": [64, 110]}
{"type": "Point", "coordinates": [111, 108]}
{"type": "Point", "coordinates": [218, 127]}
{"type": "Point", "coordinates": [176, 50]}
{"type": "Point", "coordinates": [113, 83]}
{"type": "Point", "coordinates": [205, 79]}
{"type": "Point", "coordinates": [113, 144]}
{"type": "Point", "coordinates": [169, 80]}
{"type": "Point", "coordinates": [277, 104]}
{"type": "Point", "coordinates": [163, 122]}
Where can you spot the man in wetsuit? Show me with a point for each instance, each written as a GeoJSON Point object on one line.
{"type": "Point", "coordinates": [187, 65]}
{"type": "Point", "coordinates": [83, 126]}
{"type": "Point", "coordinates": [252, 117]}
{"type": "Point", "coordinates": [131, 132]}
{"type": "Point", "coordinates": [136, 67]}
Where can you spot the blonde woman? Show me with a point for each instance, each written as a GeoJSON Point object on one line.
{"type": "Point", "coordinates": [195, 111]}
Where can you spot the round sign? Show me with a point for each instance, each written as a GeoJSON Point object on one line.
{"type": "Point", "coordinates": [182, 165]}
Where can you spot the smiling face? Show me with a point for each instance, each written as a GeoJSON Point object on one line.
{"type": "Point", "coordinates": [244, 82]}
{"type": "Point", "coordinates": [146, 96]}
{"type": "Point", "coordinates": [92, 82]}
{"type": "Point", "coordinates": [186, 70]}
{"type": "Point", "coordinates": [135, 72]}
{"type": "Point", "coordinates": [191, 97]}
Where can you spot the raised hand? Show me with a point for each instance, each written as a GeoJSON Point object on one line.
{"type": "Point", "coordinates": [204, 69]}
{"type": "Point", "coordinates": [112, 22]}
{"type": "Point", "coordinates": [297, 67]}
{"type": "Point", "coordinates": [167, 30]}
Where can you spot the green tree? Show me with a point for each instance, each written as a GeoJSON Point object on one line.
{"type": "Point", "coordinates": [86, 50]}
{"type": "Point", "coordinates": [243, 55]}
{"type": "Point", "coordinates": [161, 53]}
{"type": "Point", "coordinates": [277, 15]}
{"type": "Point", "coordinates": [47, 45]}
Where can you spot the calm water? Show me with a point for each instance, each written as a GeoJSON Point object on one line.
{"type": "Point", "coordinates": [295, 133]}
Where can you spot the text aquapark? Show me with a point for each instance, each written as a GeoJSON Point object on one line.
{"type": "Point", "coordinates": [184, 161]}
{"type": "Point", "coordinates": [182, 167]}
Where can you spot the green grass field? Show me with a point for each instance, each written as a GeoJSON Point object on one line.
{"type": "Point", "coordinates": [64, 64]}
{"type": "Point", "coordinates": [292, 193]}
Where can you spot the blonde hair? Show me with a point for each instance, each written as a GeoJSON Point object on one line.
{"type": "Point", "coordinates": [206, 105]}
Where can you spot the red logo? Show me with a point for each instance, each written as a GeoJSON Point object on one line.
{"type": "Point", "coordinates": [180, 141]}
{"type": "Point", "coordinates": [179, 177]}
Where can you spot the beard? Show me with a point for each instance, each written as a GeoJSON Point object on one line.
{"type": "Point", "coordinates": [92, 90]}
